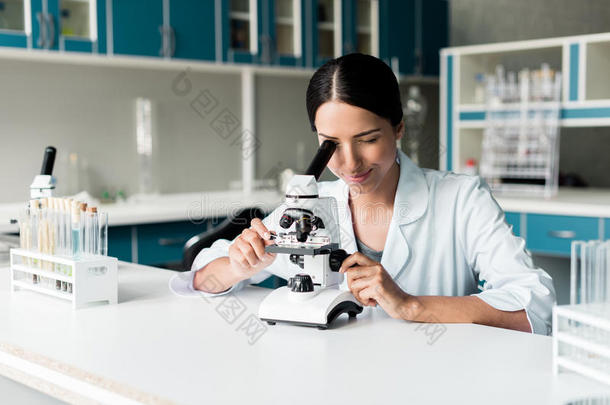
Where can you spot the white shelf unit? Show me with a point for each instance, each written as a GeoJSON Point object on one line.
{"type": "Point", "coordinates": [583, 60]}
{"type": "Point", "coordinates": [91, 278]}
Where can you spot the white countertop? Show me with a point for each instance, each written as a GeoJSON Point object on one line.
{"type": "Point", "coordinates": [167, 207]}
{"type": "Point", "coordinates": [154, 347]}
{"type": "Point", "coordinates": [584, 202]}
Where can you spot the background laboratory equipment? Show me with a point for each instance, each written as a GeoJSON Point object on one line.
{"type": "Point", "coordinates": [44, 183]}
{"type": "Point", "coordinates": [520, 148]}
{"type": "Point", "coordinates": [415, 109]}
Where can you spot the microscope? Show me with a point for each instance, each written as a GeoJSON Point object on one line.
{"type": "Point", "coordinates": [312, 239]}
{"type": "Point", "coordinates": [44, 183]}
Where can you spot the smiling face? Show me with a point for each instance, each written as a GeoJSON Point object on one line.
{"type": "Point", "coordinates": [366, 144]}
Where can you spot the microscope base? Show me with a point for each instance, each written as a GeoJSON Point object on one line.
{"type": "Point", "coordinates": [318, 308]}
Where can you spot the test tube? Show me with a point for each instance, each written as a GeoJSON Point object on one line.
{"type": "Point", "coordinates": [93, 225]}
{"type": "Point", "coordinates": [61, 230]}
{"type": "Point", "coordinates": [103, 234]}
{"type": "Point", "coordinates": [75, 230]}
{"type": "Point", "coordinates": [68, 225]}
{"type": "Point", "coordinates": [25, 238]}
{"type": "Point", "coordinates": [83, 220]}
{"type": "Point", "coordinates": [34, 212]}
{"type": "Point", "coordinates": [53, 234]}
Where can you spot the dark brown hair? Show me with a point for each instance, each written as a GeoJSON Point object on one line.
{"type": "Point", "coordinates": [360, 80]}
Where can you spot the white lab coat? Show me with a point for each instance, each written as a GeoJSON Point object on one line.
{"type": "Point", "coordinates": [447, 232]}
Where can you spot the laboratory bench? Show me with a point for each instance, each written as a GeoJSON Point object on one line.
{"type": "Point", "coordinates": [154, 347]}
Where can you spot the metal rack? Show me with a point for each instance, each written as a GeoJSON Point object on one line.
{"type": "Point", "coordinates": [520, 148]}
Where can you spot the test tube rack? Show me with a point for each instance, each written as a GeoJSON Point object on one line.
{"type": "Point", "coordinates": [93, 278]}
{"type": "Point", "coordinates": [581, 340]}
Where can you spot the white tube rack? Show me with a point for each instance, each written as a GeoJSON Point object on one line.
{"type": "Point", "coordinates": [93, 278]}
{"type": "Point", "coordinates": [581, 340]}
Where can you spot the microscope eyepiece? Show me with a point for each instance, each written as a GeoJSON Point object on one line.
{"type": "Point", "coordinates": [323, 155]}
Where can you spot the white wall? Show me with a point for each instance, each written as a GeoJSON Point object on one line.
{"type": "Point", "coordinates": [90, 111]}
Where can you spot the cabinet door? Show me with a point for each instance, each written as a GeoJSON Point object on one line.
{"type": "Point", "coordinates": [360, 26]}
{"type": "Point", "coordinates": [79, 22]}
{"type": "Point", "coordinates": [283, 24]}
{"type": "Point", "coordinates": [434, 34]}
{"type": "Point", "coordinates": [44, 24]}
{"type": "Point", "coordinates": [193, 28]}
{"type": "Point", "coordinates": [553, 234]}
{"type": "Point", "coordinates": [163, 243]}
{"type": "Point", "coordinates": [137, 27]}
{"type": "Point", "coordinates": [326, 32]}
{"type": "Point", "coordinates": [607, 228]}
{"type": "Point", "coordinates": [14, 20]}
{"type": "Point", "coordinates": [397, 33]}
{"type": "Point", "coordinates": [242, 30]}
{"type": "Point", "coordinates": [119, 242]}
{"type": "Point", "coordinates": [514, 219]}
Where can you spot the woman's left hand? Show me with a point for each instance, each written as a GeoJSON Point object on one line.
{"type": "Point", "coordinates": [371, 284]}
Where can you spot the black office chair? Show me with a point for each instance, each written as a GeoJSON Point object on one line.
{"type": "Point", "coordinates": [227, 229]}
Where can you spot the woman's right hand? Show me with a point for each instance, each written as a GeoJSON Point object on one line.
{"type": "Point", "coordinates": [247, 253]}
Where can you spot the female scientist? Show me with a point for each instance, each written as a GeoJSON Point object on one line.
{"type": "Point", "coordinates": [420, 240]}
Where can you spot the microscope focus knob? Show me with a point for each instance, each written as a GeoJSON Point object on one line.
{"type": "Point", "coordinates": [301, 283]}
{"type": "Point", "coordinates": [336, 259]}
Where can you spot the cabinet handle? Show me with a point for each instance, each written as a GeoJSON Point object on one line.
{"type": "Point", "coordinates": [42, 36]}
{"type": "Point", "coordinates": [163, 41]}
{"type": "Point", "coordinates": [266, 49]}
{"type": "Point", "coordinates": [172, 36]}
{"type": "Point", "coordinates": [562, 234]}
{"type": "Point", "coordinates": [51, 28]}
{"type": "Point", "coordinates": [171, 241]}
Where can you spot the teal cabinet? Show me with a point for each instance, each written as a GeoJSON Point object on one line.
{"type": "Point", "coordinates": [607, 228]}
{"type": "Point", "coordinates": [183, 29]}
{"type": "Point", "coordinates": [553, 234]}
{"type": "Point", "coordinates": [514, 219]}
{"type": "Point", "coordinates": [298, 33]}
{"type": "Point", "coordinates": [397, 34]}
{"type": "Point", "coordinates": [119, 242]}
{"type": "Point", "coordinates": [44, 24]}
{"type": "Point", "coordinates": [76, 32]}
{"type": "Point", "coordinates": [163, 243]}
{"type": "Point", "coordinates": [413, 33]}
{"type": "Point", "coordinates": [137, 27]}
{"type": "Point", "coordinates": [13, 24]}
{"type": "Point", "coordinates": [323, 22]}
{"type": "Point", "coordinates": [192, 29]}
{"type": "Point", "coordinates": [69, 25]}
{"type": "Point", "coordinates": [434, 34]}
{"type": "Point", "coordinates": [242, 30]}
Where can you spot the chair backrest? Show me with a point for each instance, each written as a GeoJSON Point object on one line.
{"type": "Point", "coordinates": [227, 229]}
